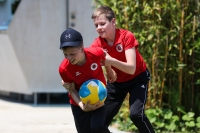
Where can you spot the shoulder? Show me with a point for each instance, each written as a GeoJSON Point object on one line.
{"type": "Point", "coordinates": [63, 65]}
{"type": "Point", "coordinates": [126, 34]}
{"type": "Point", "coordinates": [127, 38]}
{"type": "Point", "coordinates": [97, 42]}
{"type": "Point", "coordinates": [94, 51]}
{"type": "Point", "coordinates": [123, 32]}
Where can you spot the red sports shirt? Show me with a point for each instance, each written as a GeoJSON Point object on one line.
{"type": "Point", "coordinates": [79, 74]}
{"type": "Point", "coordinates": [124, 40]}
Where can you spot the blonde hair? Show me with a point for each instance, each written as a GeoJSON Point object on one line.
{"type": "Point", "coordinates": [109, 13]}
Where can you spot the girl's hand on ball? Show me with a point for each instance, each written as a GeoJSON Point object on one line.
{"type": "Point", "coordinates": [86, 107]}
{"type": "Point", "coordinates": [90, 107]}
{"type": "Point", "coordinates": [98, 105]}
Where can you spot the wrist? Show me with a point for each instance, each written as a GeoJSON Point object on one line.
{"type": "Point", "coordinates": [80, 104]}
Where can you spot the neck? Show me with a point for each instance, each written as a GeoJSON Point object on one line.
{"type": "Point", "coordinates": [110, 40]}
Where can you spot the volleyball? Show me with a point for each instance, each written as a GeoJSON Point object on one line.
{"type": "Point", "coordinates": [93, 90]}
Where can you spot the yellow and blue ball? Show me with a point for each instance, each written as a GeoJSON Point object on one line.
{"type": "Point", "coordinates": [93, 90]}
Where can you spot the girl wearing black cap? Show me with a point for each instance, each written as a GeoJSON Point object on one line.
{"type": "Point", "coordinates": [81, 64]}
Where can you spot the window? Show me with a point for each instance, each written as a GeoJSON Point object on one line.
{"type": "Point", "coordinates": [7, 10]}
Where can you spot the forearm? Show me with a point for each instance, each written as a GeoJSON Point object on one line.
{"type": "Point", "coordinates": [108, 69]}
{"type": "Point", "coordinates": [110, 74]}
{"type": "Point", "coordinates": [128, 67]}
{"type": "Point", "coordinates": [76, 98]}
{"type": "Point", "coordinates": [123, 66]}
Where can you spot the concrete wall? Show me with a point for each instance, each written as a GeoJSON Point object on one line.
{"type": "Point", "coordinates": [82, 10]}
{"type": "Point", "coordinates": [12, 77]}
{"type": "Point", "coordinates": [30, 54]}
{"type": "Point", "coordinates": [31, 47]}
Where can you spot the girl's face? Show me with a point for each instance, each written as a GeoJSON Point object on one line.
{"type": "Point", "coordinates": [75, 55]}
{"type": "Point", "coordinates": [104, 27]}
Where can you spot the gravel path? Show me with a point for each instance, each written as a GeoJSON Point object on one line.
{"type": "Point", "coordinates": [25, 118]}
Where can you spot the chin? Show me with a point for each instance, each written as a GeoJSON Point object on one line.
{"type": "Point", "coordinates": [103, 36]}
{"type": "Point", "coordinates": [73, 63]}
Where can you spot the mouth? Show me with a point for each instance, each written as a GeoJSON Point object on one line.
{"type": "Point", "coordinates": [101, 32]}
{"type": "Point", "coordinates": [71, 61]}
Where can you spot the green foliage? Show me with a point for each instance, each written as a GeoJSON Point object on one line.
{"type": "Point", "coordinates": [163, 120]}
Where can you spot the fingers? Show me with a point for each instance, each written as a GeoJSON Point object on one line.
{"type": "Point", "coordinates": [98, 105]}
{"type": "Point", "coordinates": [112, 79]}
{"type": "Point", "coordinates": [102, 63]}
{"type": "Point", "coordinates": [88, 102]}
{"type": "Point", "coordinates": [88, 107]}
{"type": "Point", "coordinates": [72, 85]}
{"type": "Point", "coordinates": [67, 86]}
{"type": "Point", "coordinates": [92, 107]}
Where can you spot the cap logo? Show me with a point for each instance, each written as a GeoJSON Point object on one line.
{"type": "Point", "coordinates": [68, 36]}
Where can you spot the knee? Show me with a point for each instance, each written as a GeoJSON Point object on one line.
{"type": "Point", "coordinates": [136, 110]}
{"type": "Point", "coordinates": [136, 113]}
{"type": "Point", "coordinates": [133, 115]}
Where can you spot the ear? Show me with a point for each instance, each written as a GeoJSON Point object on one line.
{"type": "Point", "coordinates": [82, 49]}
{"type": "Point", "coordinates": [113, 21]}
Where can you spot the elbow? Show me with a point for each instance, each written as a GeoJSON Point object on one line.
{"type": "Point", "coordinates": [132, 71]}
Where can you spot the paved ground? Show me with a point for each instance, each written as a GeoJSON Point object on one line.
{"type": "Point", "coordinates": [26, 118]}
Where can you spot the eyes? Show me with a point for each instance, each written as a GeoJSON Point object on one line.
{"type": "Point", "coordinates": [99, 25]}
{"type": "Point", "coordinates": [69, 55]}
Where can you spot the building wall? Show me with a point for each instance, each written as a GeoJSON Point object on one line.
{"type": "Point", "coordinates": [12, 78]}
{"type": "Point", "coordinates": [30, 54]}
{"type": "Point", "coordinates": [82, 21]}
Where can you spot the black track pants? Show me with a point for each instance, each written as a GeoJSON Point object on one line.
{"type": "Point", "coordinates": [137, 88]}
{"type": "Point", "coordinates": [89, 122]}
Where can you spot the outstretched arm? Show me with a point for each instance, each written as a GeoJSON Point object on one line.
{"type": "Point", "coordinates": [128, 67]}
{"type": "Point", "coordinates": [110, 74]}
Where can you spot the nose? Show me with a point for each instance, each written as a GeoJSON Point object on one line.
{"type": "Point", "coordinates": [68, 57]}
{"type": "Point", "coordinates": [98, 27]}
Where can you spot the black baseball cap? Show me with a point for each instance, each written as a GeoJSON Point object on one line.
{"type": "Point", "coordinates": [70, 37]}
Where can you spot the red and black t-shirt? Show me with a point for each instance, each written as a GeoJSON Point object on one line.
{"type": "Point", "coordinates": [92, 69]}
{"type": "Point", "coordinates": [124, 40]}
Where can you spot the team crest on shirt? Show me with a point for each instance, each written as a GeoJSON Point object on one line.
{"type": "Point", "coordinates": [94, 66]}
{"type": "Point", "coordinates": [119, 48]}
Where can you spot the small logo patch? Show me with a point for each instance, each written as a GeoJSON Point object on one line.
{"type": "Point", "coordinates": [142, 86]}
{"type": "Point", "coordinates": [119, 48]}
{"type": "Point", "coordinates": [94, 66]}
{"type": "Point", "coordinates": [68, 36]}
{"type": "Point", "coordinates": [78, 73]}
